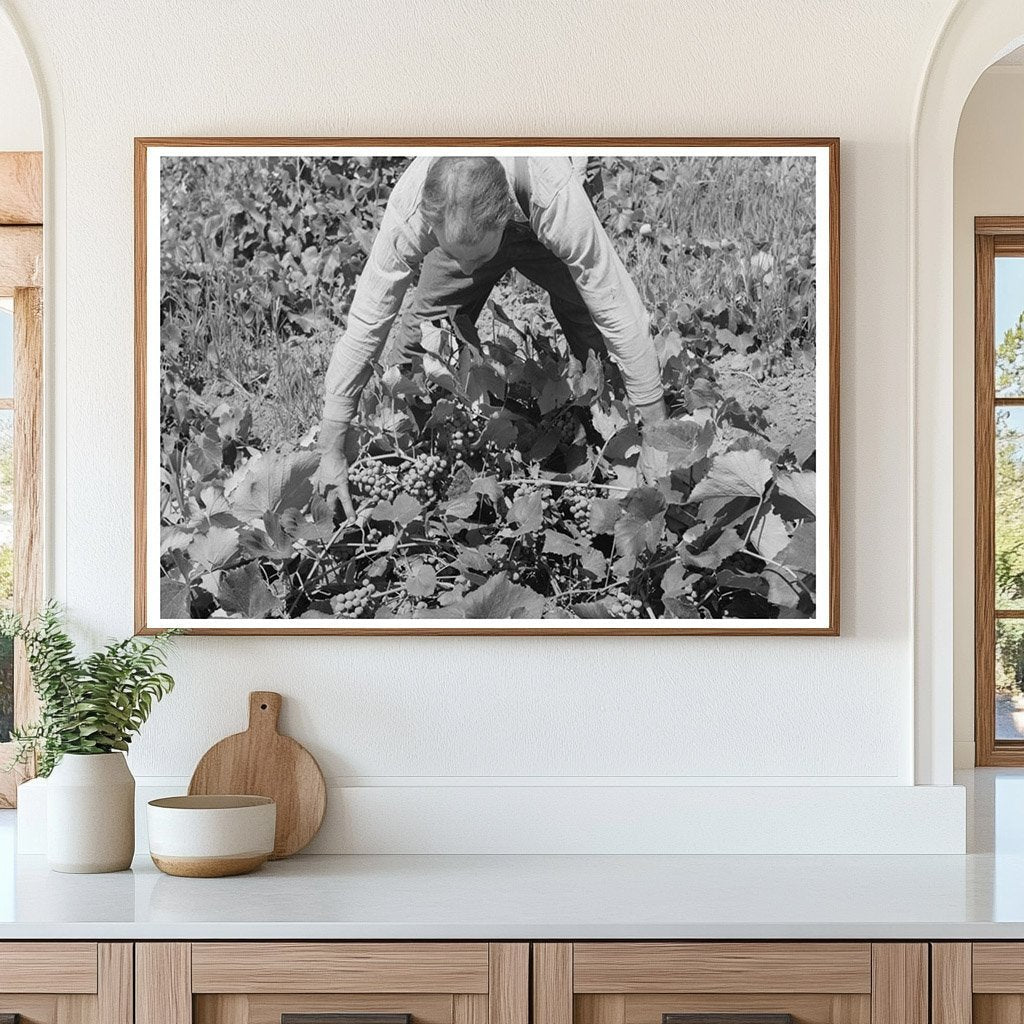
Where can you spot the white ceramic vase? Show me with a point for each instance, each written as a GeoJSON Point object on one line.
{"type": "Point", "coordinates": [90, 814]}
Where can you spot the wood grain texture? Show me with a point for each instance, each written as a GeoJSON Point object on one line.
{"type": "Point", "coordinates": [998, 967]}
{"type": "Point", "coordinates": [599, 1009]}
{"type": "Point", "coordinates": [21, 188]}
{"type": "Point", "coordinates": [727, 1018]}
{"type": "Point", "coordinates": [21, 259]}
{"type": "Point", "coordinates": [31, 1009]}
{"type": "Point", "coordinates": [65, 967]}
{"type": "Point", "coordinates": [984, 502]}
{"type": "Point", "coordinates": [304, 967]}
{"type": "Point", "coordinates": [262, 762]}
{"type": "Point", "coordinates": [508, 993]}
{"type": "Point", "coordinates": [998, 1009]}
{"type": "Point", "coordinates": [115, 988]}
{"type": "Point", "coordinates": [269, 1008]}
{"type": "Point", "coordinates": [805, 1008]}
{"type": "Point", "coordinates": [143, 144]}
{"type": "Point", "coordinates": [899, 992]}
{"type": "Point", "coordinates": [552, 983]}
{"type": "Point", "coordinates": [630, 967]}
{"type": "Point", "coordinates": [28, 483]}
{"type": "Point", "coordinates": [163, 983]}
{"type": "Point", "coordinates": [346, 1018]}
{"type": "Point", "coordinates": [466, 1009]}
{"type": "Point", "coordinates": [225, 1009]}
{"type": "Point", "coordinates": [951, 983]}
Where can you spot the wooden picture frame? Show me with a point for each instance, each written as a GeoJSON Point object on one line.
{"type": "Point", "coordinates": [821, 594]}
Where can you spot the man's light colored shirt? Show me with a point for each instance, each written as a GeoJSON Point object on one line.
{"type": "Point", "coordinates": [561, 215]}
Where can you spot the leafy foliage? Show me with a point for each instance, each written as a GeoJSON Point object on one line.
{"type": "Point", "coordinates": [90, 705]}
{"type": "Point", "coordinates": [523, 485]}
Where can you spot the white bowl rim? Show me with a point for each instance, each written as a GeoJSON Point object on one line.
{"type": "Point", "coordinates": [212, 802]}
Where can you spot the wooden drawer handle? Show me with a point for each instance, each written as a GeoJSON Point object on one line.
{"type": "Point", "coordinates": [339, 1018]}
{"type": "Point", "coordinates": [727, 1018]}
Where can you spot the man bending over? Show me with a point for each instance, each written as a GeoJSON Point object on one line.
{"type": "Point", "coordinates": [462, 223]}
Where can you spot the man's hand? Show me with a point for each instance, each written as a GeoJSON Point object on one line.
{"type": "Point", "coordinates": [648, 463]}
{"type": "Point", "coordinates": [332, 477]}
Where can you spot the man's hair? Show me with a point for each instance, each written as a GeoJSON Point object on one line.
{"type": "Point", "coordinates": [468, 196]}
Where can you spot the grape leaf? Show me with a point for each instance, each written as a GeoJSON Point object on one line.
{"type": "Point", "coordinates": [769, 535]}
{"type": "Point", "coordinates": [403, 510]}
{"type": "Point", "coordinates": [734, 475]}
{"type": "Point", "coordinates": [272, 482]}
{"type": "Point", "coordinates": [527, 513]}
{"type": "Point", "coordinates": [214, 548]}
{"type": "Point", "coordinates": [641, 524]}
{"type": "Point", "coordinates": [801, 487]}
{"type": "Point", "coordinates": [500, 598]}
{"type": "Point", "coordinates": [799, 552]}
{"type": "Point", "coordinates": [604, 513]}
{"type": "Point", "coordinates": [243, 592]}
{"type": "Point", "coordinates": [174, 598]}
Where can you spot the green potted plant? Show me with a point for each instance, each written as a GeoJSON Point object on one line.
{"type": "Point", "coordinates": [90, 708]}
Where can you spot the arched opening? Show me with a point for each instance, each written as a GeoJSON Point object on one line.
{"type": "Point", "coordinates": [976, 35]}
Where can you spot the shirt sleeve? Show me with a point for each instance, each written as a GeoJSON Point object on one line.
{"type": "Point", "coordinates": [378, 298]}
{"type": "Point", "coordinates": [565, 222]}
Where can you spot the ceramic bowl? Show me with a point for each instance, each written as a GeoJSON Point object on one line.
{"type": "Point", "coordinates": [211, 836]}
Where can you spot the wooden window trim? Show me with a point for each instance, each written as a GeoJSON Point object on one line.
{"type": "Point", "coordinates": [993, 236]}
{"type": "Point", "coordinates": [21, 263]}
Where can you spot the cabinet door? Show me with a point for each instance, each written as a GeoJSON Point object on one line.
{"type": "Point", "coordinates": [66, 983]}
{"type": "Point", "coordinates": [730, 983]}
{"type": "Point", "coordinates": [980, 982]}
{"type": "Point", "coordinates": [332, 983]}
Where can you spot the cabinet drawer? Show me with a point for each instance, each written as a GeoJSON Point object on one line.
{"type": "Point", "coordinates": [340, 967]}
{"type": "Point", "coordinates": [730, 983]}
{"type": "Point", "coordinates": [332, 983]}
{"type": "Point", "coordinates": [66, 967]}
{"type": "Point", "coordinates": [752, 967]}
{"type": "Point", "coordinates": [66, 982]}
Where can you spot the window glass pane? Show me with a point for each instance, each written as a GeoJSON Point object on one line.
{"type": "Point", "coordinates": [6, 567]}
{"type": "Point", "coordinates": [1009, 323]}
{"type": "Point", "coordinates": [6, 353]}
{"type": "Point", "coordinates": [1009, 679]}
{"type": "Point", "coordinates": [1009, 524]}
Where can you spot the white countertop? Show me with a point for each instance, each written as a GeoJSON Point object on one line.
{"type": "Point", "coordinates": [496, 897]}
{"type": "Point", "coordinates": [977, 896]}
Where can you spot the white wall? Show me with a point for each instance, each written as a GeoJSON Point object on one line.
{"type": "Point", "coordinates": [20, 124]}
{"type": "Point", "coordinates": [988, 180]}
{"type": "Point", "coordinates": [468, 711]}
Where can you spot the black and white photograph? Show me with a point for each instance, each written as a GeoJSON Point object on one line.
{"type": "Point", "coordinates": [569, 387]}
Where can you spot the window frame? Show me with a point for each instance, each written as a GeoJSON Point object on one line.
{"type": "Point", "coordinates": [993, 237]}
{"type": "Point", "coordinates": [21, 263]}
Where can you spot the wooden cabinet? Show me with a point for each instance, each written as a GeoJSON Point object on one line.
{"type": "Point", "coordinates": [751, 982]}
{"type": "Point", "coordinates": [66, 982]}
{"type": "Point", "coordinates": [309, 982]}
{"type": "Point", "coordinates": [978, 983]}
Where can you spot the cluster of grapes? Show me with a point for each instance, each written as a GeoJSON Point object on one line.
{"type": "Point", "coordinates": [525, 490]}
{"type": "Point", "coordinates": [373, 479]}
{"type": "Point", "coordinates": [621, 606]}
{"type": "Point", "coordinates": [421, 478]}
{"type": "Point", "coordinates": [353, 604]}
{"type": "Point", "coordinates": [577, 501]}
{"type": "Point", "coordinates": [462, 434]}
{"type": "Point", "coordinates": [566, 425]}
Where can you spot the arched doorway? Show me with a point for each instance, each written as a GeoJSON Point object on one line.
{"type": "Point", "coordinates": [976, 34]}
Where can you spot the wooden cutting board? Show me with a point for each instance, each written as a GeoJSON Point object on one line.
{"type": "Point", "coordinates": [262, 762]}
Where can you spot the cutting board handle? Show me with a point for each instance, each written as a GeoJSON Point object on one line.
{"type": "Point", "coordinates": [264, 710]}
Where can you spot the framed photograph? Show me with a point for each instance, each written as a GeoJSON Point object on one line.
{"type": "Point", "coordinates": [506, 386]}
